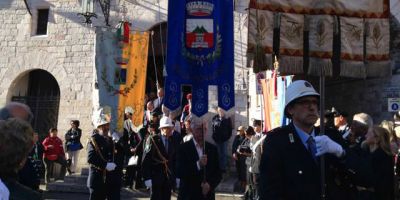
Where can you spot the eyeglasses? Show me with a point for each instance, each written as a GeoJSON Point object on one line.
{"type": "Point", "coordinates": [307, 102]}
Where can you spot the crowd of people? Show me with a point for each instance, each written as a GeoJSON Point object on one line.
{"type": "Point", "coordinates": [360, 160]}
{"type": "Point", "coordinates": [357, 160]}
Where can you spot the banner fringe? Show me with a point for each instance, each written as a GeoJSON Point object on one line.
{"type": "Point", "coordinates": [378, 69]}
{"type": "Point", "coordinates": [258, 67]}
{"type": "Point", "coordinates": [316, 64]}
{"type": "Point", "coordinates": [353, 69]}
{"type": "Point", "coordinates": [291, 65]}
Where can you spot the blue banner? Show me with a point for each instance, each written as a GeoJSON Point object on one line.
{"type": "Point", "coordinates": [200, 52]}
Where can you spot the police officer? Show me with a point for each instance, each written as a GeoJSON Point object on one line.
{"type": "Point", "coordinates": [159, 157]}
{"type": "Point", "coordinates": [104, 180]}
{"type": "Point", "coordinates": [341, 123]}
{"type": "Point", "coordinates": [289, 167]}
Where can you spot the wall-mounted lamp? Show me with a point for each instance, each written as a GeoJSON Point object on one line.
{"type": "Point", "coordinates": [88, 11]}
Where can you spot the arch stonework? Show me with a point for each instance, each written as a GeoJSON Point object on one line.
{"type": "Point", "coordinates": [20, 66]}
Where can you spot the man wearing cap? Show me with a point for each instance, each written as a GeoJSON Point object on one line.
{"type": "Point", "coordinates": [104, 180]}
{"type": "Point", "coordinates": [340, 120]}
{"type": "Point", "coordinates": [289, 167]}
{"type": "Point", "coordinates": [159, 158]}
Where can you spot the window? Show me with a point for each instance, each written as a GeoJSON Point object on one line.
{"type": "Point", "coordinates": [43, 18]}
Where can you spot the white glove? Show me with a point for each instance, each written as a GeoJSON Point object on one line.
{"type": "Point", "coordinates": [148, 183]}
{"type": "Point", "coordinates": [326, 145]}
{"type": "Point", "coordinates": [110, 166]}
{"type": "Point", "coordinates": [178, 181]}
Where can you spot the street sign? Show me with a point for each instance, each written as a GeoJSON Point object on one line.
{"type": "Point", "coordinates": [393, 104]}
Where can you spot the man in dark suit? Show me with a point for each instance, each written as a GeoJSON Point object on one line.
{"type": "Point", "coordinates": [197, 167]}
{"type": "Point", "coordinates": [104, 179]}
{"type": "Point", "coordinates": [289, 167]}
{"type": "Point", "coordinates": [158, 166]}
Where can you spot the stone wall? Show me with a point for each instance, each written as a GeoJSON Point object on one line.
{"type": "Point", "coordinates": [67, 52]}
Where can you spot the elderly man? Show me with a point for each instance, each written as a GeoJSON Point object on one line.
{"type": "Point", "coordinates": [29, 174]}
{"type": "Point", "coordinates": [221, 133]}
{"type": "Point", "coordinates": [15, 144]}
{"type": "Point", "coordinates": [16, 110]}
{"type": "Point", "coordinates": [159, 101]}
{"type": "Point", "coordinates": [197, 166]}
{"type": "Point", "coordinates": [289, 163]}
{"type": "Point", "coordinates": [158, 166]}
{"type": "Point", "coordinates": [360, 125]}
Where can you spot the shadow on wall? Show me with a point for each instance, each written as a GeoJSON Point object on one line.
{"type": "Point", "coordinates": [115, 12]}
{"type": "Point", "coordinates": [5, 4]}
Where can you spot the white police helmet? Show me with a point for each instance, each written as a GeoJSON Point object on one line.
{"type": "Point", "coordinates": [99, 118]}
{"type": "Point", "coordinates": [166, 122]}
{"type": "Point", "coordinates": [128, 109]}
{"type": "Point", "coordinates": [297, 89]}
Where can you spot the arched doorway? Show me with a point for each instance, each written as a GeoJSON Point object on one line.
{"type": "Point", "coordinates": [158, 56]}
{"type": "Point", "coordinates": [41, 92]}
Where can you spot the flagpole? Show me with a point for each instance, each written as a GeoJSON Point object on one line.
{"type": "Point", "coordinates": [322, 128]}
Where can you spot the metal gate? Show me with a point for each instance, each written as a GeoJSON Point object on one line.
{"type": "Point", "coordinates": [45, 112]}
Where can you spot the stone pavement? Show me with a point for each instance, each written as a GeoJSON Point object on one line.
{"type": "Point", "coordinates": [74, 187]}
{"type": "Point", "coordinates": [83, 196]}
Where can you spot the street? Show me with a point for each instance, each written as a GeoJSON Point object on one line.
{"type": "Point", "coordinates": [81, 196]}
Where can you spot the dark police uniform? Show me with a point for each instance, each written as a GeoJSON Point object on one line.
{"type": "Point", "coordinates": [289, 171]}
{"type": "Point", "coordinates": [103, 184]}
{"type": "Point", "coordinates": [159, 165]}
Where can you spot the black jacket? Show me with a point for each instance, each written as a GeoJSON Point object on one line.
{"type": "Point", "coordinates": [222, 129]}
{"type": "Point", "coordinates": [152, 166]}
{"type": "Point", "coordinates": [190, 177]}
{"type": "Point", "coordinates": [104, 146]}
{"type": "Point", "coordinates": [73, 137]}
{"type": "Point", "coordinates": [288, 170]}
{"type": "Point", "coordinates": [19, 191]}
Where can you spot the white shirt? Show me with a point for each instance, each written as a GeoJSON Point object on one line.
{"type": "Point", "coordinates": [342, 128]}
{"type": "Point", "coordinates": [4, 193]}
{"type": "Point", "coordinates": [199, 150]}
{"type": "Point", "coordinates": [157, 102]}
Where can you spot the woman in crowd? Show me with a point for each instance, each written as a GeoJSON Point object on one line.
{"type": "Point", "coordinates": [16, 140]}
{"type": "Point", "coordinates": [73, 145]}
{"type": "Point", "coordinates": [377, 143]}
{"type": "Point", "coordinates": [240, 159]}
{"type": "Point", "coordinates": [394, 141]}
{"type": "Point", "coordinates": [53, 152]}
{"type": "Point", "coordinates": [246, 151]}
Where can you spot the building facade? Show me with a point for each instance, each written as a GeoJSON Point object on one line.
{"type": "Point", "coordinates": [47, 58]}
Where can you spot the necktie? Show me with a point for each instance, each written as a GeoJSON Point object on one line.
{"type": "Point", "coordinates": [166, 144]}
{"type": "Point", "coordinates": [312, 147]}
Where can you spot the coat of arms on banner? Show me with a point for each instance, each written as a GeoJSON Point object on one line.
{"type": "Point", "coordinates": [201, 33]}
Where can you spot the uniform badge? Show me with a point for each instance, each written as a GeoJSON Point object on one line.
{"type": "Point", "coordinates": [291, 138]}
{"type": "Point", "coordinates": [147, 145]}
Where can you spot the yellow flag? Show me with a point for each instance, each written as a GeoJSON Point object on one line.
{"type": "Point", "coordinates": [136, 53]}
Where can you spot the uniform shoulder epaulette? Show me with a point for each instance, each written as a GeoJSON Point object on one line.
{"type": "Point", "coordinates": [279, 130]}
